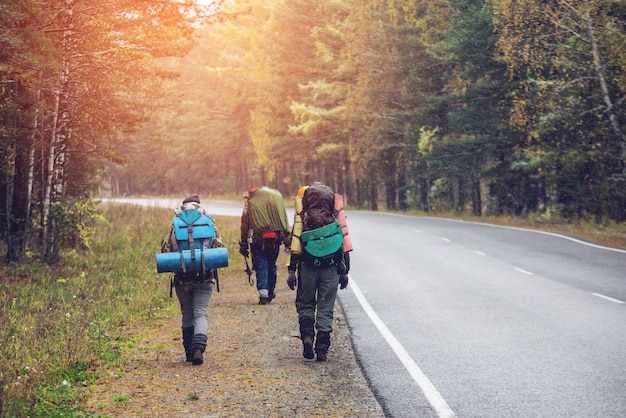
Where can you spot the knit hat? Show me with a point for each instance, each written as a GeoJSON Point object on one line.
{"type": "Point", "coordinates": [192, 198]}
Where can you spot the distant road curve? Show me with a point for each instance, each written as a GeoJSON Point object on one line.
{"type": "Point", "coordinates": [215, 207]}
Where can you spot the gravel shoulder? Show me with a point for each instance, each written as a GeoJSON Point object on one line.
{"type": "Point", "coordinates": [253, 365]}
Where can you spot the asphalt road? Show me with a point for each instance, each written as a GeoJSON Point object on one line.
{"type": "Point", "coordinates": [461, 319]}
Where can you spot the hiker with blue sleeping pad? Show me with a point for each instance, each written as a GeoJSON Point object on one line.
{"type": "Point", "coordinates": [196, 240]}
{"type": "Point", "coordinates": [318, 265]}
{"type": "Point", "coordinates": [264, 227]}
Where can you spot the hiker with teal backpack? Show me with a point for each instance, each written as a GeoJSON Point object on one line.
{"type": "Point", "coordinates": [264, 227]}
{"type": "Point", "coordinates": [319, 264]}
{"type": "Point", "coordinates": [195, 238]}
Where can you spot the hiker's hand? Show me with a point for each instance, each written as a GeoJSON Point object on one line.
{"type": "Point", "coordinates": [291, 280]}
{"type": "Point", "coordinates": [243, 249]}
{"type": "Point", "coordinates": [343, 281]}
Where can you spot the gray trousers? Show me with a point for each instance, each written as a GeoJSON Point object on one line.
{"type": "Point", "coordinates": [315, 299]}
{"type": "Point", "coordinates": [194, 301]}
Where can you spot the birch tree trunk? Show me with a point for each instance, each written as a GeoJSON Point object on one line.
{"type": "Point", "coordinates": [600, 71]}
{"type": "Point", "coordinates": [61, 132]}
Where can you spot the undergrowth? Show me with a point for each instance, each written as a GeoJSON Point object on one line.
{"type": "Point", "coordinates": [611, 234]}
{"type": "Point", "coordinates": [59, 323]}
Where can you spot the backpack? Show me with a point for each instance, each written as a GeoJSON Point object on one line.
{"type": "Point", "coordinates": [318, 206]}
{"type": "Point", "coordinates": [192, 257]}
{"type": "Point", "coordinates": [322, 235]}
{"type": "Point", "coordinates": [266, 211]}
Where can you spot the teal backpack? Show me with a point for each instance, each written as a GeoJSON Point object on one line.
{"type": "Point", "coordinates": [194, 260]}
{"type": "Point", "coordinates": [324, 241]}
{"type": "Point", "coordinates": [322, 236]}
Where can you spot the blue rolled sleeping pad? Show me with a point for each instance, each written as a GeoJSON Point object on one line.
{"type": "Point", "coordinates": [172, 263]}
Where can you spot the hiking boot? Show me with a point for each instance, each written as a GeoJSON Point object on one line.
{"type": "Point", "coordinates": [271, 296]}
{"type": "Point", "coordinates": [187, 341]}
{"type": "Point", "coordinates": [264, 301]}
{"type": "Point", "coordinates": [307, 347]}
{"type": "Point", "coordinates": [322, 343]}
{"type": "Point", "coordinates": [197, 357]}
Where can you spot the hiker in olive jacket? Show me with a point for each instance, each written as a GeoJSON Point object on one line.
{"type": "Point", "coordinates": [194, 294]}
{"type": "Point", "coordinates": [264, 227]}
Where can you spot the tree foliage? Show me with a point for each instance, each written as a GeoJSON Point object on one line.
{"type": "Point", "coordinates": [486, 106]}
{"type": "Point", "coordinates": [76, 79]}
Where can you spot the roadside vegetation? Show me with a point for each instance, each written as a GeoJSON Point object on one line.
{"type": "Point", "coordinates": [60, 323]}
{"type": "Point", "coordinates": [613, 234]}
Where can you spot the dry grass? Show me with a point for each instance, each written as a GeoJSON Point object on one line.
{"type": "Point", "coordinates": [612, 235]}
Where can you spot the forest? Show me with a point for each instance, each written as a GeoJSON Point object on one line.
{"type": "Point", "coordinates": [489, 107]}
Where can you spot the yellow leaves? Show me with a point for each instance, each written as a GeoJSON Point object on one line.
{"type": "Point", "coordinates": [313, 118]}
{"type": "Point", "coordinates": [257, 65]}
{"type": "Point", "coordinates": [457, 86]}
{"type": "Point", "coordinates": [260, 132]}
{"type": "Point", "coordinates": [264, 134]}
{"type": "Point", "coordinates": [428, 139]}
{"type": "Point", "coordinates": [329, 148]}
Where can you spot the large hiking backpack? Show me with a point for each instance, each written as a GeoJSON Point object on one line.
{"type": "Point", "coordinates": [318, 206]}
{"type": "Point", "coordinates": [266, 211]}
{"type": "Point", "coordinates": [322, 235]}
{"type": "Point", "coordinates": [193, 259]}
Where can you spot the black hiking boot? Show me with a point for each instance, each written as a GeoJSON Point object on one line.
{"type": "Point", "coordinates": [307, 334]}
{"type": "Point", "coordinates": [197, 357]}
{"type": "Point", "coordinates": [264, 301]}
{"type": "Point", "coordinates": [322, 344]}
{"type": "Point", "coordinates": [187, 340]}
{"type": "Point", "coordinates": [197, 348]}
{"type": "Point", "coordinates": [307, 347]}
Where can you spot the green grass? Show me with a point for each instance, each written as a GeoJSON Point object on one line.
{"type": "Point", "coordinates": [59, 323]}
{"type": "Point", "coordinates": [192, 396]}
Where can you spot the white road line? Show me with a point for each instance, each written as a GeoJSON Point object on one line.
{"type": "Point", "coordinates": [479, 252]}
{"type": "Point", "coordinates": [446, 239]}
{"type": "Point", "coordinates": [578, 241]}
{"type": "Point", "coordinates": [524, 271]}
{"type": "Point", "coordinates": [430, 392]}
{"type": "Point", "coordinates": [608, 298]}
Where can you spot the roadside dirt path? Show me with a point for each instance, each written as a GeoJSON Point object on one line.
{"type": "Point", "coordinates": [253, 366]}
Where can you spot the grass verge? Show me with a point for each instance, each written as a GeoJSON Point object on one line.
{"type": "Point", "coordinates": [60, 323]}
{"type": "Point", "coordinates": [610, 235]}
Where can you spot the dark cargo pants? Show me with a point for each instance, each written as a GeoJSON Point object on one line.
{"type": "Point", "coordinates": [317, 291]}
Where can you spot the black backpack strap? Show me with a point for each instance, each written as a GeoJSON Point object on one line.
{"type": "Point", "coordinates": [190, 241]}
{"type": "Point", "coordinates": [182, 262]}
{"type": "Point", "coordinates": [203, 266]}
